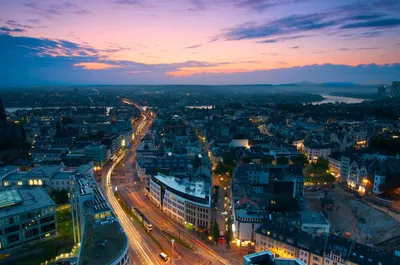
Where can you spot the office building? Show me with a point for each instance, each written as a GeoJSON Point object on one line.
{"type": "Point", "coordinates": [26, 215]}
{"type": "Point", "coordinates": [381, 91]}
{"type": "Point", "coordinates": [186, 202]}
{"type": "Point", "coordinates": [113, 142]}
{"type": "Point", "coordinates": [97, 153]}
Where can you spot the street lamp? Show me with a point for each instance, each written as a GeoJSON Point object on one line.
{"type": "Point", "coordinates": [172, 256]}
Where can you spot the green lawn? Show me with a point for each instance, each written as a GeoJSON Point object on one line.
{"type": "Point", "coordinates": [64, 222]}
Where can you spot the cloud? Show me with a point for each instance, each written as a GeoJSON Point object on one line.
{"type": "Point", "coordinates": [294, 47]}
{"type": "Point", "coordinates": [96, 66]}
{"type": "Point", "coordinates": [361, 14]}
{"type": "Point", "coordinates": [34, 21]}
{"type": "Point", "coordinates": [13, 23]}
{"type": "Point", "coordinates": [194, 46]}
{"type": "Point", "coordinates": [273, 54]}
{"type": "Point", "coordinates": [130, 2]}
{"type": "Point", "coordinates": [268, 41]}
{"type": "Point", "coordinates": [262, 5]}
{"type": "Point", "coordinates": [9, 30]}
{"type": "Point", "coordinates": [41, 61]}
{"type": "Point", "coordinates": [283, 26]}
{"type": "Point", "coordinates": [213, 40]}
{"type": "Point", "coordinates": [52, 11]}
{"type": "Point", "coordinates": [283, 39]}
{"type": "Point", "coordinates": [382, 23]}
{"type": "Point", "coordinates": [359, 49]}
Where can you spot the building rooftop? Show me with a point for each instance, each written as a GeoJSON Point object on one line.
{"type": "Point", "coordinates": [363, 255]}
{"type": "Point", "coordinates": [308, 217]}
{"type": "Point", "coordinates": [23, 200]}
{"type": "Point", "coordinates": [9, 198]}
{"type": "Point", "coordinates": [267, 258]}
{"type": "Point", "coordinates": [193, 188]}
{"type": "Point", "coordinates": [7, 169]}
{"type": "Point", "coordinates": [102, 243]}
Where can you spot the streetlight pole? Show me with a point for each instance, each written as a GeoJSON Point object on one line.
{"type": "Point", "coordinates": [172, 256]}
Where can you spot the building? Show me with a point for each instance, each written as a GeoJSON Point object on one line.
{"type": "Point", "coordinates": [314, 150]}
{"type": "Point", "coordinates": [186, 202]}
{"type": "Point", "coordinates": [267, 258]}
{"type": "Point", "coordinates": [40, 155]}
{"type": "Point", "coordinates": [97, 152]}
{"type": "Point", "coordinates": [95, 225]}
{"type": "Point", "coordinates": [113, 142]}
{"type": "Point", "coordinates": [381, 91]}
{"type": "Point", "coordinates": [395, 89]}
{"type": "Point", "coordinates": [26, 216]}
{"type": "Point", "coordinates": [334, 163]}
{"type": "Point", "coordinates": [56, 177]}
{"type": "Point", "coordinates": [254, 188]}
{"type": "Point", "coordinates": [314, 222]}
{"type": "Point", "coordinates": [121, 126]}
{"type": "Point", "coordinates": [387, 172]}
{"type": "Point", "coordinates": [286, 241]}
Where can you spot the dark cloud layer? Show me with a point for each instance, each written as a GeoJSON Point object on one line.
{"type": "Point", "coordinates": [358, 15]}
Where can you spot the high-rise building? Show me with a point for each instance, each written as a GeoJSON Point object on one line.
{"type": "Point", "coordinates": [381, 91]}
{"type": "Point", "coordinates": [396, 89]}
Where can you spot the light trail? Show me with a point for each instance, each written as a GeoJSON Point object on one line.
{"type": "Point", "coordinates": [137, 242]}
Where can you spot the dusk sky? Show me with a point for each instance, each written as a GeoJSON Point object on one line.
{"type": "Point", "coordinates": [48, 42]}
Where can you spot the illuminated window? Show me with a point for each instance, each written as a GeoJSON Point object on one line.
{"type": "Point", "coordinates": [35, 182]}
{"type": "Point", "coordinates": [19, 183]}
{"type": "Point", "coordinates": [6, 183]}
{"type": "Point", "coordinates": [40, 182]}
{"type": "Point", "coordinates": [30, 182]}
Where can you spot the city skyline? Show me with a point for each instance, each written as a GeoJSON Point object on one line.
{"type": "Point", "coordinates": [198, 42]}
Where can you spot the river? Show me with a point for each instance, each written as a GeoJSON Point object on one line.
{"type": "Point", "coordinates": [334, 99]}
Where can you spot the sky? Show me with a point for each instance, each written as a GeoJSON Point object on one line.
{"type": "Point", "coordinates": [56, 42]}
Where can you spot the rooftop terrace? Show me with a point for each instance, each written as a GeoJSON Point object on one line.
{"type": "Point", "coordinates": [102, 243]}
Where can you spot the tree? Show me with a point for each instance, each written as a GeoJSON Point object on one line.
{"type": "Point", "coordinates": [318, 168]}
{"type": "Point", "coordinates": [229, 162]}
{"type": "Point", "coordinates": [282, 161]}
{"type": "Point", "coordinates": [300, 159]}
{"type": "Point", "coordinates": [228, 237]}
{"type": "Point", "coordinates": [324, 178]}
{"type": "Point", "coordinates": [59, 196]}
{"type": "Point", "coordinates": [222, 169]}
{"type": "Point", "coordinates": [267, 160]}
{"type": "Point", "coordinates": [215, 232]}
